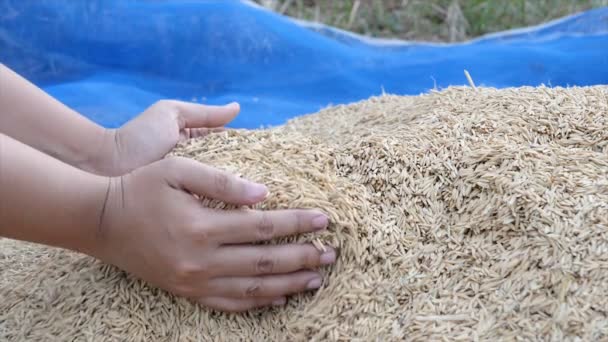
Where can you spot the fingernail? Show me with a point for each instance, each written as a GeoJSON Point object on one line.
{"type": "Point", "coordinates": [328, 257]}
{"type": "Point", "coordinates": [314, 284]}
{"type": "Point", "coordinates": [232, 104]}
{"type": "Point", "coordinates": [257, 191]}
{"type": "Point", "coordinates": [320, 222]}
{"type": "Point", "coordinates": [279, 301]}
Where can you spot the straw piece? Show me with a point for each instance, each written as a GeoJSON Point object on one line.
{"type": "Point", "coordinates": [470, 79]}
{"type": "Point", "coordinates": [319, 245]}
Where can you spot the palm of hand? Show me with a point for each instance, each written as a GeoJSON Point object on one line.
{"type": "Point", "coordinates": [153, 134]}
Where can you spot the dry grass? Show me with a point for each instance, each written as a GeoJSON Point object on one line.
{"type": "Point", "coordinates": [435, 20]}
{"type": "Point", "coordinates": [466, 214]}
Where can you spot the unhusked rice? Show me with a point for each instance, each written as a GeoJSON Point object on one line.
{"type": "Point", "coordinates": [464, 214]}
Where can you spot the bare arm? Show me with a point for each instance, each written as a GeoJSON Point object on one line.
{"type": "Point", "coordinates": [149, 218]}
{"type": "Point", "coordinates": [38, 120]}
{"type": "Point", "coordinates": [46, 201]}
{"type": "Point", "coordinates": [33, 117]}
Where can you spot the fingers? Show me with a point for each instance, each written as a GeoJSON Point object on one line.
{"type": "Point", "coordinates": [190, 133]}
{"type": "Point", "coordinates": [240, 305]}
{"type": "Point", "coordinates": [197, 115]}
{"type": "Point", "coordinates": [268, 260]}
{"type": "Point", "coordinates": [265, 286]}
{"type": "Point", "coordinates": [252, 226]}
{"type": "Point", "coordinates": [193, 133]}
{"type": "Point", "coordinates": [207, 181]}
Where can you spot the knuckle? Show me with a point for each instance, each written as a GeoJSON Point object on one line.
{"type": "Point", "coordinates": [265, 226]}
{"type": "Point", "coordinates": [182, 276]}
{"type": "Point", "coordinates": [253, 289]}
{"type": "Point", "coordinates": [264, 265]}
{"type": "Point", "coordinates": [185, 271]}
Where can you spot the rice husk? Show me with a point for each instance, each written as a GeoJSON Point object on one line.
{"type": "Point", "coordinates": [462, 214]}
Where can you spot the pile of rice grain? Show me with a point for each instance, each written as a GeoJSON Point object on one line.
{"type": "Point", "coordinates": [465, 214]}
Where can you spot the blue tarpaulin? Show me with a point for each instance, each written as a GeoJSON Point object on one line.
{"type": "Point", "coordinates": [111, 59]}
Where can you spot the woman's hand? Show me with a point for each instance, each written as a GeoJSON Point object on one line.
{"type": "Point", "coordinates": [146, 220]}
{"type": "Point", "coordinates": [34, 118]}
{"type": "Point", "coordinates": [154, 133]}
{"type": "Point", "coordinates": [154, 228]}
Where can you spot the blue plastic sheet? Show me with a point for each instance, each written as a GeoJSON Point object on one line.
{"type": "Point", "coordinates": [111, 59]}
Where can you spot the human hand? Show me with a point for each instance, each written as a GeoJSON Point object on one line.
{"type": "Point", "coordinates": [154, 228]}
{"type": "Point", "coordinates": [154, 133]}
{"type": "Point", "coordinates": [72, 138]}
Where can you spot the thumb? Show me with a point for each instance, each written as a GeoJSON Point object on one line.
{"type": "Point", "coordinates": [204, 180]}
{"type": "Point", "coordinates": [194, 115]}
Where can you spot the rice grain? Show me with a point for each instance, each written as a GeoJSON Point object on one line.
{"type": "Point", "coordinates": [462, 214]}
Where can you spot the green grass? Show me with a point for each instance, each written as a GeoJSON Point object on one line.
{"type": "Point", "coordinates": [430, 20]}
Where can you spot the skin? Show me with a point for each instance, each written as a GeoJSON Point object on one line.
{"type": "Point", "coordinates": [69, 183]}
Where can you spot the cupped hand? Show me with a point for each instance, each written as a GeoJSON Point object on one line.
{"type": "Point", "coordinates": [154, 133]}
{"type": "Point", "coordinates": [153, 227]}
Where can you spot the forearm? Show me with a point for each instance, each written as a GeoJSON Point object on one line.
{"type": "Point", "coordinates": [46, 201]}
{"type": "Point", "coordinates": [33, 117]}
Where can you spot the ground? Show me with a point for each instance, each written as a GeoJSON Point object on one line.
{"type": "Point", "coordinates": [436, 20]}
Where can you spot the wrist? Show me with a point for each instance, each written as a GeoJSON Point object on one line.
{"type": "Point", "coordinates": [49, 202]}
{"type": "Point", "coordinates": [109, 204]}
{"type": "Point", "coordinates": [103, 156]}
{"type": "Point", "coordinates": [98, 216]}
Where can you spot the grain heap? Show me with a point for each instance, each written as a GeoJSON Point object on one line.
{"type": "Point", "coordinates": [461, 214]}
